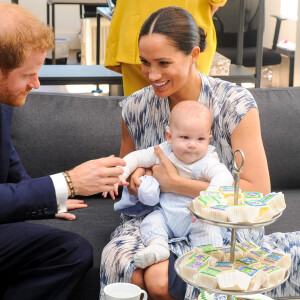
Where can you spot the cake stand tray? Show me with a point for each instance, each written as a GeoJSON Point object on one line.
{"type": "Point", "coordinates": [228, 292]}
{"type": "Point", "coordinates": [232, 224]}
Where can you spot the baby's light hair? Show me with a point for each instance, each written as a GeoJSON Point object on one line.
{"type": "Point", "coordinates": [189, 109]}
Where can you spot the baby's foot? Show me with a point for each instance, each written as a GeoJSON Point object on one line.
{"type": "Point", "coordinates": [157, 251]}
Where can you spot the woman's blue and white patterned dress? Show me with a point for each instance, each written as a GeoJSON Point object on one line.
{"type": "Point", "coordinates": [146, 117]}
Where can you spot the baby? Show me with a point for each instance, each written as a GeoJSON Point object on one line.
{"type": "Point", "coordinates": [187, 146]}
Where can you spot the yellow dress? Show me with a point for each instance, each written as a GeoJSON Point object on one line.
{"type": "Point", "coordinates": [122, 54]}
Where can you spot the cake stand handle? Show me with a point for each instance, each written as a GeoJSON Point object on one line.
{"type": "Point", "coordinates": [237, 171]}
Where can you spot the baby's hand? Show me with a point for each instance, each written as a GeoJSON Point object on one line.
{"type": "Point", "coordinates": [123, 182]}
{"type": "Point", "coordinates": [115, 192]}
{"type": "Point", "coordinates": [112, 193]}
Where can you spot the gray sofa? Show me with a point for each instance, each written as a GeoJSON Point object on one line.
{"type": "Point", "coordinates": [55, 132]}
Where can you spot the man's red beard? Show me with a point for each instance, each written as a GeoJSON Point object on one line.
{"type": "Point", "coordinates": [9, 98]}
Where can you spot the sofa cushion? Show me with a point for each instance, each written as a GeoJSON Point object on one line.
{"type": "Point", "coordinates": [280, 122]}
{"type": "Point", "coordinates": [279, 110]}
{"type": "Point", "coordinates": [64, 130]}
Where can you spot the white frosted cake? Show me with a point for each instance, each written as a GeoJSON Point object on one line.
{"type": "Point", "coordinates": [233, 280]}
{"type": "Point", "coordinates": [224, 266]}
{"type": "Point", "coordinates": [211, 261]}
{"type": "Point", "coordinates": [228, 194]}
{"type": "Point", "coordinates": [246, 262]}
{"type": "Point", "coordinates": [251, 196]}
{"type": "Point", "coordinates": [275, 201]}
{"type": "Point", "coordinates": [274, 275]}
{"type": "Point", "coordinates": [257, 277]}
{"type": "Point", "coordinates": [238, 253]}
{"type": "Point", "coordinates": [200, 204]}
{"type": "Point", "coordinates": [246, 246]}
{"type": "Point", "coordinates": [207, 278]}
{"type": "Point", "coordinates": [211, 250]}
{"type": "Point", "coordinates": [264, 211]}
{"type": "Point", "coordinates": [259, 253]}
{"type": "Point", "coordinates": [279, 259]}
{"type": "Point", "coordinates": [242, 213]}
{"type": "Point", "coordinates": [216, 212]}
{"type": "Point", "coordinates": [204, 295]}
{"type": "Point", "coordinates": [191, 268]}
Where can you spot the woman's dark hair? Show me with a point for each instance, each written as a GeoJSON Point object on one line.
{"type": "Point", "coordinates": [178, 25]}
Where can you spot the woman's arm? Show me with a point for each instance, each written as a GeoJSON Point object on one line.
{"type": "Point", "coordinates": [170, 181]}
{"type": "Point", "coordinates": [215, 4]}
{"type": "Point", "coordinates": [127, 144]}
{"type": "Point", "coordinates": [247, 137]}
{"type": "Point", "coordinates": [213, 9]}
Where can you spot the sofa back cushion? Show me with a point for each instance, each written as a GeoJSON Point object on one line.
{"type": "Point", "coordinates": [279, 110]}
{"type": "Point", "coordinates": [56, 132]}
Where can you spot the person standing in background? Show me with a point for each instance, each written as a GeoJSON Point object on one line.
{"type": "Point", "coordinates": [122, 53]}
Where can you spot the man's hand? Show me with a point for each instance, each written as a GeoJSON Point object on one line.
{"type": "Point", "coordinates": [96, 176]}
{"type": "Point", "coordinates": [165, 173]}
{"type": "Point", "coordinates": [71, 204]}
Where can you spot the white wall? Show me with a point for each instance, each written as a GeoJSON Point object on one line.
{"type": "Point", "coordinates": [67, 18]}
{"type": "Point", "coordinates": [36, 7]}
{"type": "Point", "coordinates": [272, 7]}
{"type": "Point", "coordinates": [287, 29]}
{"type": "Point", "coordinates": [67, 23]}
{"type": "Point", "coordinates": [297, 54]}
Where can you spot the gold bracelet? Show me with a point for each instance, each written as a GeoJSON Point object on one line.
{"type": "Point", "coordinates": [70, 183]}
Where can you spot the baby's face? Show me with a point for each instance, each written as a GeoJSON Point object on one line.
{"type": "Point", "coordinates": [190, 139]}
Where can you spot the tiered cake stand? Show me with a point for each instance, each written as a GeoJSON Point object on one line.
{"type": "Point", "coordinates": [234, 226]}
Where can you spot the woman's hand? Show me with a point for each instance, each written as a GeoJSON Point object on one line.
{"type": "Point", "coordinates": [165, 173]}
{"type": "Point", "coordinates": [171, 182]}
{"type": "Point", "coordinates": [71, 204]}
{"type": "Point", "coordinates": [213, 9]}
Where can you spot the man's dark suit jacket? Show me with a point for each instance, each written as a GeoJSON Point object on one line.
{"type": "Point", "coordinates": [21, 197]}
